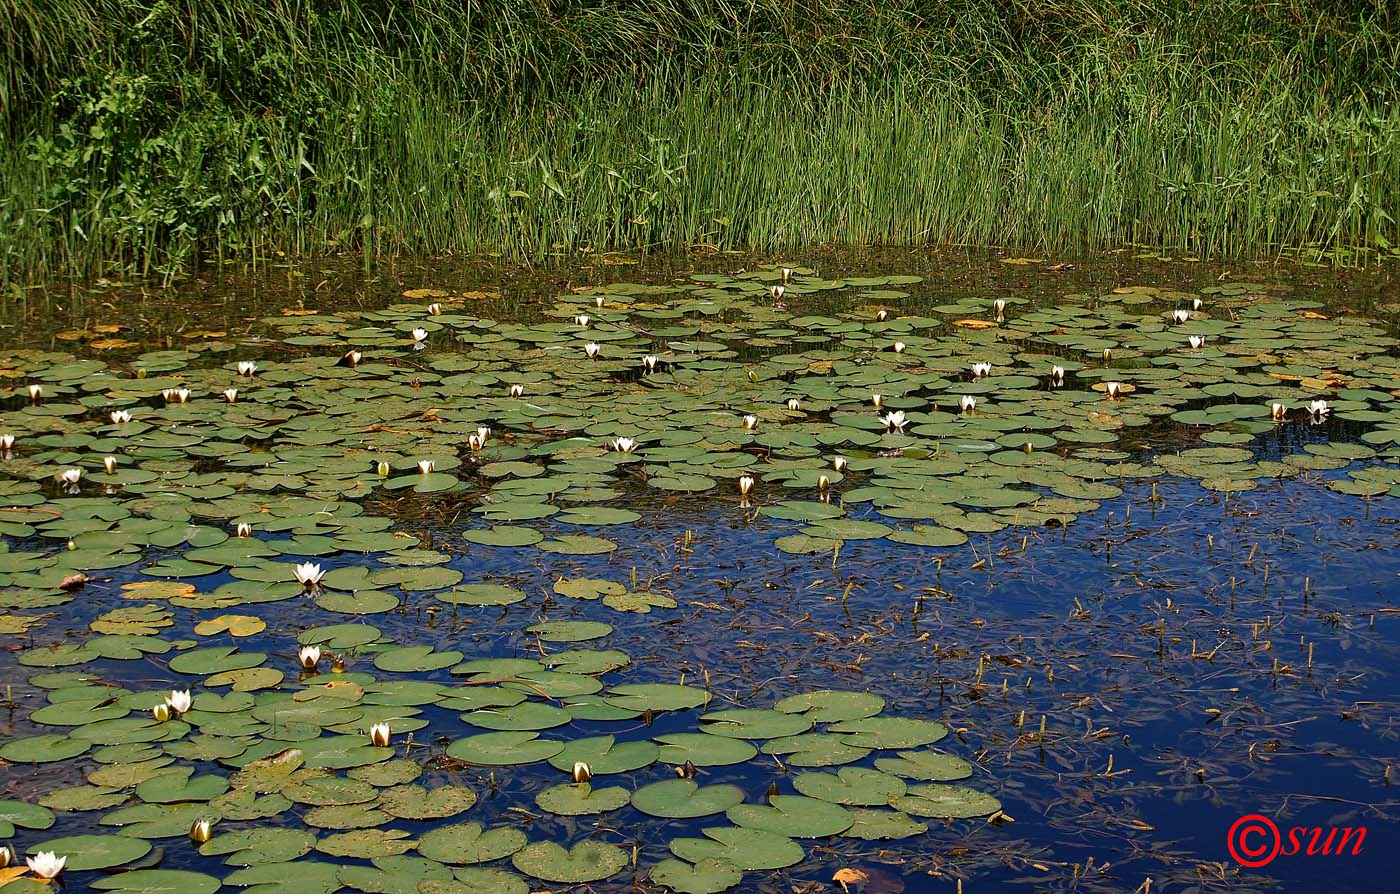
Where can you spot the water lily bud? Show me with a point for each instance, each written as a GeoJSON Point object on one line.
{"type": "Point", "coordinates": [968, 403]}
{"type": "Point", "coordinates": [794, 404]}
{"type": "Point", "coordinates": [517, 390]}
{"type": "Point", "coordinates": [776, 292]}
{"type": "Point", "coordinates": [750, 422]}
{"type": "Point", "coordinates": [1113, 389]}
{"type": "Point", "coordinates": [898, 347]}
{"type": "Point", "coordinates": [141, 373]}
{"type": "Point", "coordinates": [6, 856]}
{"type": "Point", "coordinates": [247, 368]}
{"type": "Point", "coordinates": [582, 773]}
{"type": "Point", "coordinates": [426, 465]}
{"type": "Point", "coordinates": [109, 464]}
{"type": "Point", "coordinates": [882, 315]}
{"type": "Point", "coordinates": [36, 393]}
{"type": "Point", "coordinates": [823, 482]}
{"type": "Point", "coordinates": [894, 420]}
{"type": "Point", "coordinates": [231, 395]}
{"type": "Point", "coordinates": [878, 400]}
{"type": "Point", "coordinates": [200, 832]}
{"type": "Point", "coordinates": [379, 734]}
{"type": "Point", "coordinates": [592, 350]}
{"type": "Point", "coordinates": [582, 320]}
{"type": "Point", "coordinates": [787, 274]}
{"type": "Point", "coordinates": [435, 308]}
{"type": "Point", "coordinates": [382, 468]}
{"type": "Point", "coordinates": [839, 463]}
{"type": "Point", "coordinates": [243, 529]}
{"type": "Point", "coordinates": [745, 485]}
{"type": "Point", "coordinates": [598, 300]}
{"type": "Point", "coordinates": [161, 713]}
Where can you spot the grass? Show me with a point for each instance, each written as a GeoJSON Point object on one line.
{"type": "Point", "coordinates": [212, 129]}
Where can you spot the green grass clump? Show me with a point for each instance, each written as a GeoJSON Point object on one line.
{"type": "Point", "coordinates": [147, 136]}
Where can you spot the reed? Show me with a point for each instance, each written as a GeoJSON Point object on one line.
{"type": "Point", "coordinates": [150, 137]}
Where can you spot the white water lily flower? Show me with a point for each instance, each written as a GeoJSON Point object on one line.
{"type": "Point", "coordinates": [7, 856]}
{"type": "Point", "coordinates": [243, 529]}
{"type": "Point", "coordinates": [1318, 409]}
{"type": "Point", "coordinates": [823, 482]}
{"type": "Point", "coordinates": [898, 347]}
{"type": "Point", "coordinates": [435, 309]}
{"type": "Point", "coordinates": [419, 334]}
{"type": "Point", "coordinates": [750, 422]}
{"type": "Point", "coordinates": [231, 395]}
{"type": "Point", "coordinates": [176, 395]}
{"type": "Point", "coordinates": [592, 350]}
{"type": "Point", "coordinates": [200, 832]}
{"type": "Point", "coordinates": [878, 400]}
{"type": "Point", "coordinates": [582, 772]}
{"type": "Point", "coordinates": [649, 362]}
{"type": "Point", "coordinates": [745, 485]}
{"type": "Point", "coordinates": [36, 392]}
{"type": "Point", "coordinates": [598, 300]}
{"type": "Point", "coordinates": [776, 292]}
{"type": "Point", "coordinates": [161, 712]}
{"type": "Point", "coordinates": [624, 445]}
{"type": "Point", "coordinates": [309, 656]}
{"type": "Point", "coordinates": [308, 574]}
{"type": "Point", "coordinates": [838, 463]}
{"type": "Point", "coordinates": [1278, 412]}
{"type": "Point", "coordinates": [247, 368]}
{"type": "Point", "coordinates": [1057, 376]}
{"type": "Point", "coordinates": [517, 391]}
{"type": "Point", "coordinates": [109, 464]}
{"type": "Point", "coordinates": [119, 417]}
{"type": "Point", "coordinates": [1113, 389]}
{"type": "Point", "coordinates": [379, 734]}
{"type": "Point", "coordinates": [787, 274]}
{"type": "Point", "coordinates": [582, 320]}
{"type": "Point", "coordinates": [426, 465]}
{"type": "Point", "coordinates": [794, 404]}
{"type": "Point", "coordinates": [981, 370]}
{"type": "Point", "coordinates": [46, 864]}
{"type": "Point", "coordinates": [474, 442]}
{"type": "Point", "coordinates": [1196, 342]}
{"type": "Point", "coordinates": [967, 403]}
{"type": "Point", "coordinates": [352, 358]}
{"type": "Point", "coordinates": [483, 432]}
{"type": "Point", "coordinates": [6, 442]}
{"type": "Point", "coordinates": [179, 700]}
{"type": "Point", "coordinates": [70, 477]}
{"type": "Point", "coordinates": [894, 420]}
{"type": "Point", "coordinates": [1197, 304]}
{"type": "Point", "coordinates": [1180, 316]}
{"type": "Point", "coordinates": [882, 315]}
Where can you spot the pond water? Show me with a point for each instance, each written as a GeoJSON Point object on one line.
{"type": "Point", "coordinates": [1055, 624]}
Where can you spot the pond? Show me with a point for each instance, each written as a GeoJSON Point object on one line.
{"type": "Point", "coordinates": [866, 570]}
